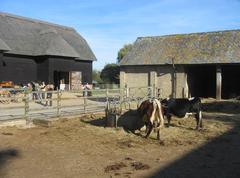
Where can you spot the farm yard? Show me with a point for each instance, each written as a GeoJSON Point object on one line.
{"type": "Point", "coordinates": [82, 147]}
{"type": "Point", "coordinates": [60, 119]}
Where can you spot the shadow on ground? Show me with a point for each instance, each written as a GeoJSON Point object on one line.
{"type": "Point", "coordinates": [99, 122]}
{"type": "Point", "coordinates": [227, 106]}
{"type": "Point", "coordinates": [102, 99]}
{"type": "Point", "coordinates": [218, 158]}
{"type": "Point", "coordinates": [5, 156]}
{"type": "Point", "coordinates": [129, 121]}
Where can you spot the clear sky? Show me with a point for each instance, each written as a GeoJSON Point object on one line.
{"type": "Point", "coordinates": [109, 24]}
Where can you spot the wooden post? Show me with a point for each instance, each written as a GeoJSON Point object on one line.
{"type": "Point", "coordinates": [122, 78]}
{"type": "Point", "coordinates": [218, 82]}
{"type": "Point", "coordinates": [153, 82]}
{"type": "Point", "coordinates": [107, 107]}
{"type": "Point", "coordinates": [26, 106]}
{"type": "Point", "coordinates": [151, 92]}
{"type": "Point", "coordinates": [124, 92]}
{"type": "Point", "coordinates": [116, 120]}
{"type": "Point", "coordinates": [127, 92]}
{"type": "Point", "coordinates": [107, 93]}
{"type": "Point", "coordinates": [70, 80]}
{"type": "Point", "coordinates": [186, 89]}
{"type": "Point", "coordinates": [174, 79]}
{"type": "Point", "coordinates": [85, 104]}
{"type": "Point", "coordinates": [58, 102]}
{"type": "Point", "coordinates": [154, 91]}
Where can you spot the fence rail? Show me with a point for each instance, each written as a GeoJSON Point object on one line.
{"type": "Point", "coordinates": [27, 105]}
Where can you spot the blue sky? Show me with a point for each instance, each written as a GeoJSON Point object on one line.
{"type": "Point", "coordinates": [109, 24]}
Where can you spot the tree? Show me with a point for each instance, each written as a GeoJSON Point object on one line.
{"type": "Point", "coordinates": [96, 76]}
{"type": "Point", "coordinates": [123, 51]}
{"type": "Point", "coordinates": [110, 74]}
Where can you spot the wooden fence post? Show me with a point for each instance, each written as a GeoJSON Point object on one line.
{"type": "Point", "coordinates": [108, 104]}
{"type": "Point", "coordinates": [107, 95]}
{"type": "Point", "coordinates": [218, 82]}
{"type": "Point", "coordinates": [26, 106]}
{"type": "Point", "coordinates": [58, 103]}
{"type": "Point", "coordinates": [154, 90]}
{"type": "Point", "coordinates": [85, 104]}
{"type": "Point", "coordinates": [127, 92]}
{"type": "Point", "coordinates": [150, 92]}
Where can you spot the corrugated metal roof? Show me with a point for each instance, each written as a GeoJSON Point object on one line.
{"type": "Point", "coordinates": [27, 36]}
{"type": "Point", "coordinates": [195, 48]}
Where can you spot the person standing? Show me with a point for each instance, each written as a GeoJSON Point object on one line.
{"type": "Point", "coordinates": [38, 89]}
{"type": "Point", "coordinates": [43, 89]}
{"type": "Point", "coordinates": [34, 94]}
{"type": "Point", "coordinates": [49, 89]}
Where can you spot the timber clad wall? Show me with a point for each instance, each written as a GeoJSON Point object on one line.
{"type": "Point", "coordinates": [43, 69]}
{"type": "Point", "coordinates": [17, 69]}
{"type": "Point", "coordinates": [26, 69]}
{"type": "Point", "coordinates": [33, 50]}
{"type": "Point", "coordinates": [67, 65]}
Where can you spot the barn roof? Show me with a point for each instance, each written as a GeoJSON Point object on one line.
{"type": "Point", "coordinates": [195, 48]}
{"type": "Point", "coordinates": [3, 46]}
{"type": "Point", "coordinates": [32, 37]}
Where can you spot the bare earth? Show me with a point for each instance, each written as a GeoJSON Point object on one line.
{"type": "Point", "coordinates": [81, 147]}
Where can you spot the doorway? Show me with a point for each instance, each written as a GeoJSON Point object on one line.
{"type": "Point", "coordinates": [60, 77]}
{"type": "Point", "coordinates": [230, 81]}
{"type": "Point", "coordinates": [201, 80]}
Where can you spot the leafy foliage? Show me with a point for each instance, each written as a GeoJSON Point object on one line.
{"type": "Point", "coordinates": [96, 76]}
{"type": "Point", "coordinates": [110, 73]}
{"type": "Point", "coordinates": [123, 51]}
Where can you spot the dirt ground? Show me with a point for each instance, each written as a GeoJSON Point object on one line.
{"type": "Point", "coordinates": [82, 147]}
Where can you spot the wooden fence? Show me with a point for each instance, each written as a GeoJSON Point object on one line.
{"type": "Point", "coordinates": [31, 105]}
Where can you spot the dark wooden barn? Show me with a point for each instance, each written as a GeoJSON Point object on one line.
{"type": "Point", "coordinates": [33, 50]}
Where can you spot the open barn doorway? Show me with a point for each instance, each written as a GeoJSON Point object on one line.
{"type": "Point", "coordinates": [61, 79]}
{"type": "Point", "coordinates": [201, 80]}
{"type": "Point", "coordinates": [230, 81]}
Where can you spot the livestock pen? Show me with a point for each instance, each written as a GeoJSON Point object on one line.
{"type": "Point", "coordinates": [81, 146]}
{"type": "Point", "coordinates": [28, 105]}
